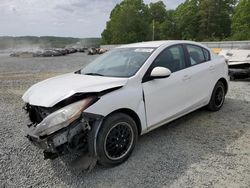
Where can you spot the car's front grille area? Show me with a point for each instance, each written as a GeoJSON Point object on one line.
{"type": "Point", "coordinates": [37, 113]}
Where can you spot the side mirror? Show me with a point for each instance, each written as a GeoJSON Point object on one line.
{"type": "Point", "coordinates": [160, 72]}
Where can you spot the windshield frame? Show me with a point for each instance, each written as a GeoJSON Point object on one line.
{"type": "Point", "coordinates": [81, 71]}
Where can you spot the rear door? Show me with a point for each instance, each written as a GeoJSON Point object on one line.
{"type": "Point", "coordinates": [201, 71]}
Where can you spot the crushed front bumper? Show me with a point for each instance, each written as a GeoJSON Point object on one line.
{"type": "Point", "coordinates": [40, 143]}
{"type": "Point", "coordinates": [78, 136]}
{"type": "Point", "coordinates": [71, 138]}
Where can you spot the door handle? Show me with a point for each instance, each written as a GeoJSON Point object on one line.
{"type": "Point", "coordinates": [186, 77]}
{"type": "Point", "coordinates": [211, 68]}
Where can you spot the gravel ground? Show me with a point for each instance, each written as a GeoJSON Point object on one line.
{"type": "Point", "coordinates": [202, 149]}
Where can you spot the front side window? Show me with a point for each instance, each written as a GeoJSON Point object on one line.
{"type": "Point", "coordinates": [196, 54]}
{"type": "Point", "coordinates": [120, 62]}
{"type": "Point", "coordinates": [171, 58]}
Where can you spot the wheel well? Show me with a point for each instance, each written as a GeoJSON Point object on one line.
{"type": "Point", "coordinates": [223, 80]}
{"type": "Point", "coordinates": [132, 114]}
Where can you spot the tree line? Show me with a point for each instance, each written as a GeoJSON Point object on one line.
{"type": "Point", "coordinates": [200, 20]}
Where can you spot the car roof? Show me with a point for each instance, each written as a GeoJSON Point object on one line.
{"type": "Point", "coordinates": [156, 44]}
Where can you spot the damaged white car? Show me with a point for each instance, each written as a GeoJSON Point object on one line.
{"type": "Point", "coordinates": [103, 108]}
{"type": "Point", "coordinates": [238, 61]}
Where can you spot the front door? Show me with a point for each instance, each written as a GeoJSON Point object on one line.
{"type": "Point", "coordinates": [166, 98]}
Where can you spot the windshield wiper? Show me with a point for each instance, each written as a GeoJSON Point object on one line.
{"type": "Point", "coordinates": [94, 74]}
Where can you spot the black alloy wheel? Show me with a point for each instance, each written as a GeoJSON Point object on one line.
{"type": "Point", "coordinates": [217, 98]}
{"type": "Point", "coordinates": [116, 139]}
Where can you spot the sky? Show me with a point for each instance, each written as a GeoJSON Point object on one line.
{"type": "Point", "coordinates": [67, 18]}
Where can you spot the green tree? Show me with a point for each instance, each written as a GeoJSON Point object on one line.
{"type": "Point", "coordinates": [214, 19]}
{"type": "Point", "coordinates": [157, 15]}
{"type": "Point", "coordinates": [168, 28]}
{"type": "Point", "coordinates": [157, 11]}
{"type": "Point", "coordinates": [132, 21]}
{"type": "Point", "coordinates": [187, 19]}
{"type": "Point", "coordinates": [128, 23]}
{"type": "Point", "coordinates": [241, 21]}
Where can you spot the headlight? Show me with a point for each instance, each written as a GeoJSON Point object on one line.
{"type": "Point", "coordinates": [62, 117]}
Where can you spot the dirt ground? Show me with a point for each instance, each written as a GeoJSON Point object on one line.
{"type": "Point", "coordinates": [202, 149]}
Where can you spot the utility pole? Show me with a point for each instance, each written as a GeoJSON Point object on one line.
{"type": "Point", "coordinates": [153, 35]}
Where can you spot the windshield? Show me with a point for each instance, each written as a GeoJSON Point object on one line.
{"type": "Point", "coordinates": [120, 62]}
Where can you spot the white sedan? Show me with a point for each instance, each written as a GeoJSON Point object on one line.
{"type": "Point", "coordinates": [103, 108]}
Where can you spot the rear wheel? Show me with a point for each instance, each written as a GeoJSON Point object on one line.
{"type": "Point", "coordinates": [116, 139]}
{"type": "Point", "coordinates": [218, 97]}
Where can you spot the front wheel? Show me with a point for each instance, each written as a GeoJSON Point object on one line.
{"type": "Point", "coordinates": [217, 98]}
{"type": "Point", "coordinates": [116, 139]}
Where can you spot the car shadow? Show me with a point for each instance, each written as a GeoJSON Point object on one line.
{"type": "Point", "coordinates": [165, 154]}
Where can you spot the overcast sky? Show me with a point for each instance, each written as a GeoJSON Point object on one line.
{"type": "Point", "coordinates": [73, 18]}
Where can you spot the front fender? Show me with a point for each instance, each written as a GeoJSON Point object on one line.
{"type": "Point", "coordinates": [127, 97]}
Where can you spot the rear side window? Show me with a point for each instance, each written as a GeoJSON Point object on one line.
{"type": "Point", "coordinates": [206, 54]}
{"type": "Point", "coordinates": [196, 54]}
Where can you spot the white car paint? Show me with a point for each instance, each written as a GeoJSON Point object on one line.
{"type": "Point", "coordinates": [156, 102]}
{"type": "Point", "coordinates": [158, 71]}
{"type": "Point", "coordinates": [51, 91]}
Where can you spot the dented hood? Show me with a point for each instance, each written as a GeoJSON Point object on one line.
{"type": "Point", "coordinates": [51, 91]}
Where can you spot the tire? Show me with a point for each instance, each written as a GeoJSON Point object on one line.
{"type": "Point", "coordinates": [217, 98]}
{"type": "Point", "coordinates": [116, 140]}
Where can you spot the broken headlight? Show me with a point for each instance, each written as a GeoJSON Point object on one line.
{"type": "Point", "coordinates": [62, 117]}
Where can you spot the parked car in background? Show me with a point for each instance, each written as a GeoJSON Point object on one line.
{"type": "Point", "coordinates": [94, 51]}
{"type": "Point", "coordinates": [103, 108]}
{"type": "Point", "coordinates": [238, 61]}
